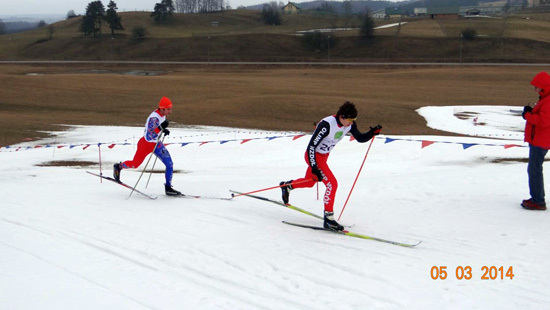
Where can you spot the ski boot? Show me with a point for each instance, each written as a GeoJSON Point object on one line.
{"type": "Point", "coordinates": [529, 204]}
{"type": "Point", "coordinates": [330, 223]}
{"type": "Point", "coordinates": [286, 187]}
{"type": "Point", "coordinates": [171, 192]}
{"type": "Point", "coordinates": [116, 171]}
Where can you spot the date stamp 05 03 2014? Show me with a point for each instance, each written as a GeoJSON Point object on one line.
{"type": "Point", "coordinates": [467, 273]}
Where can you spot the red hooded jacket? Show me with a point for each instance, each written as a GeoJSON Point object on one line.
{"type": "Point", "coordinates": [537, 128]}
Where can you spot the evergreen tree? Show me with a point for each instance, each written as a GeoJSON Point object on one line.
{"type": "Point", "coordinates": [111, 17]}
{"type": "Point", "coordinates": [95, 14]}
{"type": "Point", "coordinates": [367, 27]}
{"type": "Point", "coordinates": [162, 10]}
{"type": "Point", "coordinates": [87, 25]}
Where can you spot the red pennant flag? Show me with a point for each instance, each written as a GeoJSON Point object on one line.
{"type": "Point", "coordinates": [111, 146]}
{"type": "Point", "coordinates": [297, 137]}
{"type": "Point", "coordinates": [245, 140]}
{"type": "Point", "coordinates": [507, 146]}
{"type": "Point", "coordinates": [60, 146]}
{"type": "Point", "coordinates": [87, 146]}
{"type": "Point", "coordinates": [203, 143]}
{"type": "Point", "coordinates": [427, 143]}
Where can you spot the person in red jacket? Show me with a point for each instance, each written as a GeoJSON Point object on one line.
{"type": "Point", "coordinates": [537, 134]}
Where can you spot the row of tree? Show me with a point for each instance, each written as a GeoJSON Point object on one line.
{"type": "Point", "coordinates": [96, 14]}
{"type": "Point", "coordinates": [20, 26]}
{"type": "Point", "coordinates": [199, 6]}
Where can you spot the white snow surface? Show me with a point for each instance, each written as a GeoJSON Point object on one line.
{"type": "Point", "coordinates": [68, 241]}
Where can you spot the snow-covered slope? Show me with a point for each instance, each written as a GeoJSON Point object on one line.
{"type": "Point", "coordinates": [68, 241]}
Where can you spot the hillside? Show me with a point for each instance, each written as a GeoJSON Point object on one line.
{"type": "Point", "coordinates": [338, 6]}
{"type": "Point", "coordinates": [242, 36]}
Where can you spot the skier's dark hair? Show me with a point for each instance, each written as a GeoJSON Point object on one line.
{"type": "Point", "coordinates": [347, 110]}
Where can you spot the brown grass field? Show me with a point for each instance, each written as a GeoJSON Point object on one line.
{"type": "Point", "coordinates": [37, 98]}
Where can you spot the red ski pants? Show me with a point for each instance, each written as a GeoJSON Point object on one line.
{"type": "Point", "coordinates": [144, 148]}
{"type": "Point", "coordinates": [329, 180]}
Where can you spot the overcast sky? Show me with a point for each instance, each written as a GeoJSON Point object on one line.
{"type": "Point", "coordinates": [20, 7]}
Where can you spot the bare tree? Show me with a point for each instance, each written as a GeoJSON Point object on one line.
{"type": "Point", "coordinates": [51, 30]}
{"type": "Point", "coordinates": [348, 12]}
{"type": "Point", "coordinates": [199, 6]}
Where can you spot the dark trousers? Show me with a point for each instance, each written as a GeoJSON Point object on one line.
{"type": "Point", "coordinates": [534, 170]}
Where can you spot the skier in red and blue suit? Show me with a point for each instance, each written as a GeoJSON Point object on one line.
{"type": "Point", "coordinates": [155, 125]}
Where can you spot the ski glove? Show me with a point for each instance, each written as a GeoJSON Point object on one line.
{"type": "Point", "coordinates": [317, 174]}
{"type": "Point", "coordinates": [166, 132]}
{"type": "Point", "coordinates": [526, 109]}
{"type": "Point", "coordinates": [375, 130]}
{"type": "Point", "coordinates": [164, 125]}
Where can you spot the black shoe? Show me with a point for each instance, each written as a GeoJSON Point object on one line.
{"type": "Point", "coordinates": [171, 192]}
{"type": "Point", "coordinates": [286, 190]}
{"type": "Point", "coordinates": [330, 223]}
{"type": "Point", "coordinates": [116, 171]}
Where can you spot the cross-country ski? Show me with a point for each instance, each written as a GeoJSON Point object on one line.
{"type": "Point", "coordinates": [352, 234]}
{"type": "Point", "coordinates": [123, 185]}
{"type": "Point", "coordinates": [280, 203]}
{"type": "Point", "coordinates": [188, 196]}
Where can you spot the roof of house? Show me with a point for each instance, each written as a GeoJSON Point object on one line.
{"type": "Point", "coordinates": [294, 4]}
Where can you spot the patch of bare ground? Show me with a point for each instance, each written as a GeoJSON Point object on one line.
{"type": "Point", "coordinates": [68, 163]}
{"type": "Point", "coordinates": [510, 160]}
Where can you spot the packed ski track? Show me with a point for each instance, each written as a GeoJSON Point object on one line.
{"type": "Point", "coordinates": [70, 241]}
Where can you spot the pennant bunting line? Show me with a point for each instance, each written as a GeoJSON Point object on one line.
{"type": "Point", "coordinates": [110, 145]}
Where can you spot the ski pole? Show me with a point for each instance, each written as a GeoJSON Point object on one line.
{"type": "Point", "coordinates": [264, 189]}
{"type": "Point", "coordinates": [317, 190]}
{"type": "Point", "coordinates": [100, 168]}
{"type": "Point", "coordinates": [351, 190]}
{"type": "Point", "coordinates": [152, 168]}
{"type": "Point", "coordinates": [146, 164]}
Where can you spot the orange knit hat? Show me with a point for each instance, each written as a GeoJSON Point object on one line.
{"type": "Point", "coordinates": [165, 103]}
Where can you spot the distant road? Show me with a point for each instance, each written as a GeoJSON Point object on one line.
{"type": "Point", "coordinates": [257, 63]}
